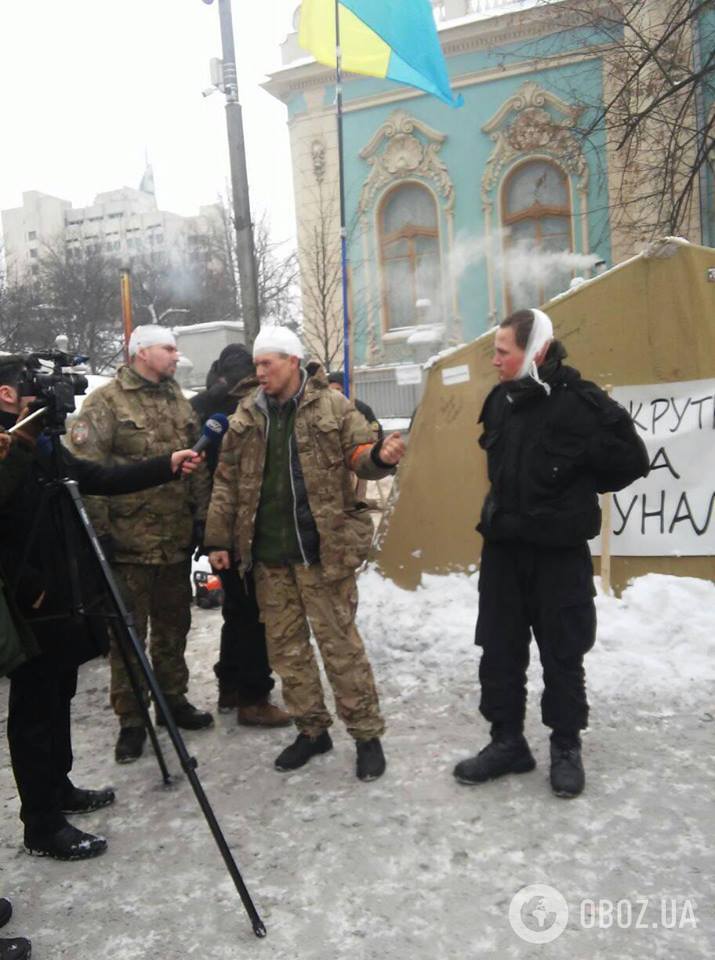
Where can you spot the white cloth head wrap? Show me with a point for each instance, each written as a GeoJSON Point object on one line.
{"type": "Point", "coordinates": [274, 339]}
{"type": "Point", "coordinates": [542, 332]}
{"type": "Point", "coordinates": [150, 335]}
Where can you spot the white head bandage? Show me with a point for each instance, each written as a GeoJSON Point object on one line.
{"type": "Point", "coordinates": [277, 340]}
{"type": "Point", "coordinates": [542, 332]}
{"type": "Point", "coordinates": [150, 335]}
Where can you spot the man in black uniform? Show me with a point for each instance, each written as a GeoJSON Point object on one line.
{"type": "Point", "coordinates": [553, 442]}
{"type": "Point", "coordinates": [336, 379]}
{"type": "Point", "coordinates": [34, 568]}
{"type": "Point", "coordinates": [243, 672]}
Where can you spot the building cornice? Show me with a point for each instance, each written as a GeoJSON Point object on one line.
{"type": "Point", "coordinates": [400, 94]}
{"type": "Point", "coordinates": [462, 38]}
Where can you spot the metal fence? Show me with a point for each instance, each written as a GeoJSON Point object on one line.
{"type": "Point", "coordinates": [379, 388]}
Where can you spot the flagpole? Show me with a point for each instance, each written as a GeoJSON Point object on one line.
{"type": "Point", "coordinates": [343, 225]}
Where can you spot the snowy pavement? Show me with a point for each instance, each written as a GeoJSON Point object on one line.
{"type": "Point", "coordinates": [412, 866]}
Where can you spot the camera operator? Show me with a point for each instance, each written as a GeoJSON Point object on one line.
{"type": "Point", "coordinates": [34, 564]}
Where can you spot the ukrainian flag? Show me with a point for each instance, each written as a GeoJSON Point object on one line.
{"type": "Point", "coordinates": [393, 39]}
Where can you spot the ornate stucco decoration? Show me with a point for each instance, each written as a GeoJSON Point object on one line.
{"type": "Point", "coordinates": [402, 148]}
{"type": "Point", "coordinates": [317, 157]}
{"type": "Point", "coordinates": [533, 121]}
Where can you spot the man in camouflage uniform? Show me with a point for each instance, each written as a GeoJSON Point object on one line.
{"type": "Point", "coordinates": [149, 535]}
{"type": "Point", "coordinates": [283, 500]}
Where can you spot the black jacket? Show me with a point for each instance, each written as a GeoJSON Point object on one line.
{"type": "Point", "coordinates": [549, 455]}
{"type": "Point", "coordinates": [35, 562]}
{"type": "Point", "coordinates": [216, 399]}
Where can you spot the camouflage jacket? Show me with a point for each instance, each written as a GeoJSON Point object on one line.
{"type": "Point", "coordinates": [132, 419]}
{"type": "Point", "coordinates": [331, 439]}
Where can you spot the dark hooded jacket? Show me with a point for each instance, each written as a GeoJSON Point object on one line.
{"type": "Point", "coordinates": [34, 559]}
{"type": "Point", "coordinates": [550, 455]}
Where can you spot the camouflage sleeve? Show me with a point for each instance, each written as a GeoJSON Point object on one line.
{"type": "Point", "coordinates": [221, 515]}
{"type": "Point", "coordinates": [200, 484]}
{"type": "Point", "coordinates": [357, 440]}
{"type": "Point", "coordinates": [91, 437]}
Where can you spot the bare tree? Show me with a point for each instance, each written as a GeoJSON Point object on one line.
{"type": "Point", "coordinates": [276, 267]}
{"type": "Point", "coordinates": [76, 294]}
{"type": "Point", "coordinates": [659, 71]}
{"type": "Point", "coordinates": [321, 281]}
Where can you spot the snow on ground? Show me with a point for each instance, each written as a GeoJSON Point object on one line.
{"type": "Point", "coordinates": [412, 866]}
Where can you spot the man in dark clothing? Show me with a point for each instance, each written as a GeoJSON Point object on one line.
{"type": "Point", "coordinates": [243, 672]}
{"type": "Point", "coordinates": [336, 379]}
{"type": "Point", "coordinates": [553, 442]}
{"type": "Point", "coordinates": [35, 569]}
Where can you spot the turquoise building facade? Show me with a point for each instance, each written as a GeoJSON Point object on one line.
{"type": "Point", "coordinates": [456, 217]}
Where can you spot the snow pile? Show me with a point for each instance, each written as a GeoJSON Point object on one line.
{"type": "Point", "coordinates": [658, 638]}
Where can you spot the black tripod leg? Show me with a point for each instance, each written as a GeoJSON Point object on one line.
{"type": "Point", "coordinates": [188, 763]}
{"type": "Point", "coordinates": [134, 641]}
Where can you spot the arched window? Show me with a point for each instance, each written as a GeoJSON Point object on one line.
{"type": "Point", "coordinates": [409, 253]}
{"type": "Point", "coordinates": [536, 211]}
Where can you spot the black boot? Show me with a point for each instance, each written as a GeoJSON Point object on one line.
{"type": "Point", "coordinates": [370, 759]}
{"type": "Point", "coordinates": [85, 801]}
{"type": "Point", "coordinates": [227, 699]}
{"type": "Point", "coordinates": [567, 776]}
{"type": "Point", "coordinates": [130, 744]}
{"type": "Point", "coordinates": [16, 949]}
{"type": "Point", "coordinates": [67, 843]}
{"type": "Point", "coordinates": [302, 749]}
{"type": "Point", "coordinates": [5, 911]}
{"type": "Point", "coordinates": [187, 716]}
{"type": "Point", "coordinates": [506, 753]}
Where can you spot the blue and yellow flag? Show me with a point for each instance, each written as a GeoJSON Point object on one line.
{"type": "Point", "coordinates": [393, 39]}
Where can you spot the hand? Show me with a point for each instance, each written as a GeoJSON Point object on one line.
{"type": "Point", "coordinates": [29, 432]}
{"type": "Point", "coordinates": [392, 449]}
{"type": "Point", "coordinates": [5, 441]}
{"type": "Point", "coordinates": [219, 559]}
{"type": "Point", "coordinates": [185, 460]}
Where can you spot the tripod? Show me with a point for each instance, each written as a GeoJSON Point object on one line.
{"type": "Point", "coordinates": [80, 539]}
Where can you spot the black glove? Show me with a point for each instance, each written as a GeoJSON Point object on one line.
{"type": "Point", "coordinates": [197, 539]}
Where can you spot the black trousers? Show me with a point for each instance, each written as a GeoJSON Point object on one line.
{"type": "Point", "coordinates": [38, 729]}
{"type": "Point", "coordinates": [523, 587]}
{"type": "Point", "coordinates": [243, 661]}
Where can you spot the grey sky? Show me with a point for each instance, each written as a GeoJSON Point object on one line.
{"type": "Point", "coordinates": [89, 85]}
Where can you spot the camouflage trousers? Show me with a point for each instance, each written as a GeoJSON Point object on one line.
{"type": "Point", "coordinates": [292, 597]}
{"type": "Point", "coordinates": [159, 595]}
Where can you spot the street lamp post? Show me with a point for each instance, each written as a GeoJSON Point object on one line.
{"type": "Point", "coordinates": [245, 251]}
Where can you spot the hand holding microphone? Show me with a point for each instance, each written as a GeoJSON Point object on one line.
{"type": "Point", "coordinates": [211, 434]}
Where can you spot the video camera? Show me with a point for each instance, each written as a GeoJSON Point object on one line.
{"type": "Point", "coordinates": [46, 377]}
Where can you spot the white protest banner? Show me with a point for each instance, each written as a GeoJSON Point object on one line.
{"type": "Point", "coordinates": [671, 512]}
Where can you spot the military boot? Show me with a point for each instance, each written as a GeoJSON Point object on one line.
{"type": "Point", "coordinates": [17, 948]}
{"type": "Point", "coordinates": [77, 800]}
{"type": "Point", "coordinates": [263, 714]}
{"type": "Point", "coordinates": [67, 843]}
{"type": "Point", "coordinates": [567, 775]}
{"type": "Point", "coordinates": [370, 759]}
{"type": "Point", "coordinates": [506, 753]}
{"type": "Point", "coordinates": [187, 716]}
{"type": "Point", "coordinates": [130, 744]}
{"type": "Point", "coordinates": [301, 750]}
{"type": "Point", "coordinates": [227, 699]}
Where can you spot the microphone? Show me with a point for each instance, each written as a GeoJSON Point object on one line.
{"type": "Point", "coordinates": [212, 433]}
